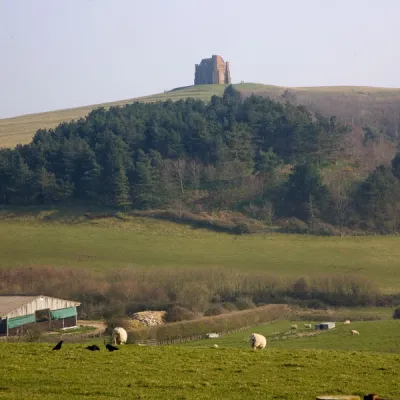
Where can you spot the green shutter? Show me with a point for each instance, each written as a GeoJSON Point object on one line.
{"type": "Point", "coordinates": [63, 313]}
{"type": "Point", "coordinates": [19, 321]}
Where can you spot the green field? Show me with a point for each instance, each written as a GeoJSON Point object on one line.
{"type": "Point", "coordinates": [33, 371]}
{"type": "Point", "coordinates": [141, 242]}
{"type": "Point", "coordinates": [22, 128]}
{"type": "Point", "coordinates": [377, 336]}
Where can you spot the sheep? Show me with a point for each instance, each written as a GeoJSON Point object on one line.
{"type": "Point", "coordinates": [258, 341]}
{"type": "Point", "coordinates": [294, 326]}
{"type": "Point", "coordinates": [307, 326]}
{"type": "Point", "coordinates": [215, 346]}
{"type": "Point", "coordinates": [119, 336]}
{"type": "Point", "coordinates": [354, 332]}
{"type": "Point", "coordinates": [347, 322]}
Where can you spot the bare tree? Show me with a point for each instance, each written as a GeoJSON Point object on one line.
{"type": "Point", "coordinates": [179, 171]}
{"type": "Point", "coordinates": [195, 173]}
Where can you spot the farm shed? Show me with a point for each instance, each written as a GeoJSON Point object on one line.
{"type": "Point", "coordinates": [325, 325]}
{"type": "Point", "coordinates": [19, 313]}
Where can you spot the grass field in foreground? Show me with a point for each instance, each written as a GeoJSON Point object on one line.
{"type": "Point", "coordinates": [22, 128]}
{"type": "Point", "coordinates": [34, 371]}
{"type": "Point", "coordinates": [145, 242]}
{"type": "Point", "coordinates": [379, 336]}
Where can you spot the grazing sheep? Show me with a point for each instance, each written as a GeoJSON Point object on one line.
{"type": "Point", "coordinates": [215, 346]}
{"type": "Point", "coordinates": [258, 341]}
{"type": "Point", "coordinates": [353, 332]}
{"type": "Point", "coordinates": [307, 326]}
{"type": "Point", "coordinates": [294, 326]}
{"type": "Point", "coordinates": [119, 336]}
{"type": "Point", "coordinates": [347, 322]}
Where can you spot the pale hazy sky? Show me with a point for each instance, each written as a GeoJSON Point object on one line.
{"type": "Point", "coordinates": [66, 53]}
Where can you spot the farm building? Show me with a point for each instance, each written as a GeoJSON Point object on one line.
{"type": "Point", "coordinates": [325, 325]}
{"type": "Point", "coordinates": [19, 313]}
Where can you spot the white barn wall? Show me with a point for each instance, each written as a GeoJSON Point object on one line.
{"type": "Point", "coordinates": [41, 303]}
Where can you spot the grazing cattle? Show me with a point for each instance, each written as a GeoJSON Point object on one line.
{"type": "Point", "coordinates": [258, 341]}
{"type": "Point", "coordinates": [353, 332]}
{"type": "Point", "coordinates": [93, 347]}
{"type": "Point", "coordinates": [294, 326]}
{"type": "Point", "coordinates": [110, 347]}
{"type": "Point", "coordinates": [347, 322]}
{"type": "Point", "coordinates": [58, 345]}
{"type": "Point", "coordinates": [119, 336]}
{"type": "Point", "coordinates": [307, 326]}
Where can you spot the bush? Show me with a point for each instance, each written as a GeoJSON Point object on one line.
{"type": "Point", "coordinates": [323, 229]}
{"type": "Point", "coordinates": [177, 313]}
{"type": "Point", "coordinates": [215, 309]}
{"type": "Point", "coordinates": [33, 334]}
{"type": "Point", "coordinates": [243, 303]}
{"type": "Point", "coordinates": [293, 225]}
{"type": "Point", "coordinates": [229, 306]}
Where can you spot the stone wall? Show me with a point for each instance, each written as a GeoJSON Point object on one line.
{"type": "Point", "coordinates": [212, 71]}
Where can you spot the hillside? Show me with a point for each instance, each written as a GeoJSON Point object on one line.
{"type": "Point", "coordinates": [123, 241]}
{"type": "Point", "coordinates": [273, 161]}
{"type": "Point", "coordinates": [378, 106]}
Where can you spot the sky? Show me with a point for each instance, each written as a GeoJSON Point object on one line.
{"type": "Point", "coordinates": [70, 53]}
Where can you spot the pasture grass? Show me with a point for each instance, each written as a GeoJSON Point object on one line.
{"type": "Point", "coordinates": [377, 336]}
{"type": "Point", "coordinates": [65, 238]}
{"type": "Point", "coordinates": [34, 371]}
{"type": "Point", "coordinates": [21, 129]}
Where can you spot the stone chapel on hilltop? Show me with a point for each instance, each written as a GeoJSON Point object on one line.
{"type": "Point", "coordinates": [212, 70]}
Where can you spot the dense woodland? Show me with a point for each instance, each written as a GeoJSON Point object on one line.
{"type": "Point", "coordinates": [264, 159]}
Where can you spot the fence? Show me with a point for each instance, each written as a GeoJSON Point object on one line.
{"type": "Point", "coordinates": [154, 342]}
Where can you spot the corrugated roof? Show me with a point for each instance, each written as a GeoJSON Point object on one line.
{"type": "Point", "coordinates": [10, 303]}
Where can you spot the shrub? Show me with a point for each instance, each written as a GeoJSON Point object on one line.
{"type": "Point", "coordinates": [293, 225]}
{"type": "Point", "coordinates": [33, 334]}
{"type": "Point", "coordinates": [243, 303]}
{"type": "Point", "coordinates": [177, 313]}
{"type": "Point", "coordinates": [215, 309]}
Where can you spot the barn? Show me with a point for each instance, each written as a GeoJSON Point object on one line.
{"type": "Point", "coordinates": [325, 325]}
{"type": "Point", "coordinates": [19, 313]}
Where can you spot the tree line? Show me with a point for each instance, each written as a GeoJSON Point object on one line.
{"type": "Point", "coordinates": [253, 155]}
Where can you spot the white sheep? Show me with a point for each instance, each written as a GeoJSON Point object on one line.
{"type": "Point", "coordinates": [119, 336]}
{"type": "Point", "coordinates": [347, 322]}
{"type": "Point", "coordinates": [354, 332]}
{"type": "Point", "coordinates": [258, 341]}
{"type": "Point", "coordinates": [307, 326]}
{"type": "Point", "coordinates": [294, 326]}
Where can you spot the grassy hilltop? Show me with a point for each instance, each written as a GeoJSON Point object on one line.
{"type": "Point", "coordinates": [349, 102]}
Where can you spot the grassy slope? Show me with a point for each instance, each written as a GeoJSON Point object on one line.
{"type": "Point", "coordinates": [21, 129]}
{"type": "Point", "coordinates": [111, 242]}
{"type": "Point", "coordinates": [33, 371]}
{"type": "Point", "coordinates": [379, 336]}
